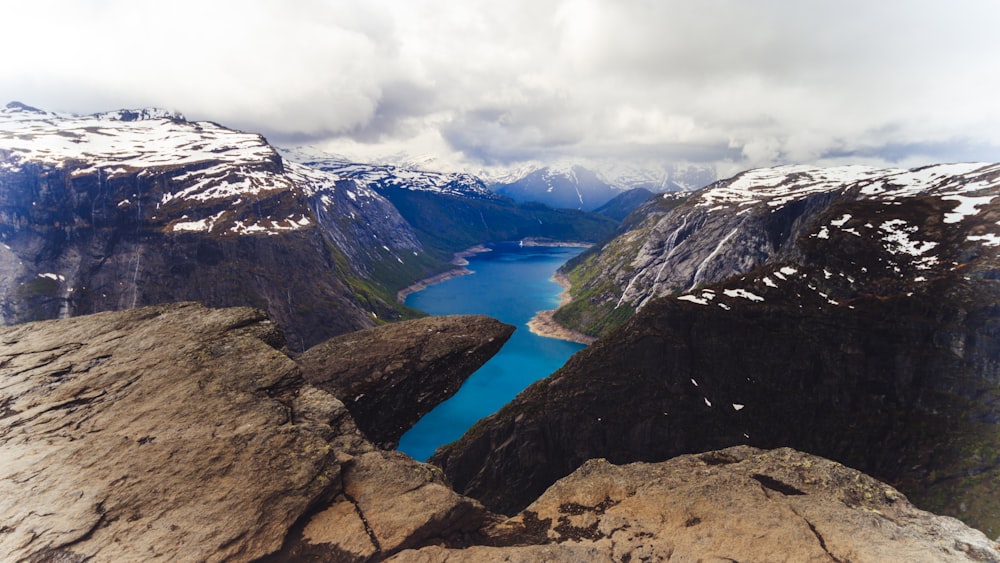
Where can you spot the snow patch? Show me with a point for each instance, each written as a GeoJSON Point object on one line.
{"type": "Point", "coordinates": [989, 239]}
{"type": "Point", "coordinates": [966, 206]}
{"type": "Point", "coordinates": [742, 293]}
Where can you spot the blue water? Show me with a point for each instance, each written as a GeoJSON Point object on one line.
{"type": "Point", "coordinates": [510, 283]}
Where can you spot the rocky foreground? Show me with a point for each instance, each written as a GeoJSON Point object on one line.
{"type": "Point", "coordinates": [180, 433]}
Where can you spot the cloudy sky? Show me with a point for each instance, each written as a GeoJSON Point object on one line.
{"type": "Point", "coordinates": [727, 83]}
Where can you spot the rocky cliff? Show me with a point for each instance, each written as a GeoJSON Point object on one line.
{"type": "Point", "coordinates": [130, 208]}
{"type": "Point", "coordinates": [183, 433]}
{"type": "Point", "coordinates": [392, 375]}
{"type": "Point", "coordinates": [868, 332]}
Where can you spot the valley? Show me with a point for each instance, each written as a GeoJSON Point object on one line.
{"type": "Point", "coordinates": [169, 287]}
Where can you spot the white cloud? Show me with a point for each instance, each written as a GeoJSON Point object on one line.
{"type": "Point", "coordinates": [721, 81]}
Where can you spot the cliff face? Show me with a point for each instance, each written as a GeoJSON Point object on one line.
{"type": "Point", "coordinates": [120, 210]}
{"type": "Point", "coordinates": [392, 375]}
{"type": "Point", "coordinates": [184, 433]}
{"type": "Point", "coordinates": [875, 342]}
{"type": "Point", "coordinates": [668, 247]}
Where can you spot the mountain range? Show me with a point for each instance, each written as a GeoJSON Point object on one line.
{"type": "Point", "coordinates": [136, 207]}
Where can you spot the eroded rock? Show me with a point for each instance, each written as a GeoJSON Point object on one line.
{"type": "Point", "coordinates": [160, 432]}
{"type": "Point", "coordinates": [737, 504]}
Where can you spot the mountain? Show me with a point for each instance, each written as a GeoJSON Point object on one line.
{"type": "Point", "coordinates": [853, 313]}
{"type": "Point", "coordinates": [620, 206]}
{"type": "Point", "coordinates": [574, 186]}
{"type": "Point", "coordinates": [670, 245]}
{"type": "Point", "coordinates": [134, 207]}
{"type": "Point", "coordinates": [392, 176]}
{"type": "Point", "coordinates": [452, 211]}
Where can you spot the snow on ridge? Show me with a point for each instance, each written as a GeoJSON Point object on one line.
{"type": "Point", "coordinates": [783, 184]}
{"type": "Point", "coordinates": [780, 185]}
{"type": "Point", "coordinates": [390, 175]}
{"type": "Point", "coordinates": [113, 144]}
{"type": "Point", "coordinates": [966, 206]}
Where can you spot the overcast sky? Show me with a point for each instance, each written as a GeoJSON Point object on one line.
{"type": "Point", "coordinates": [729, 83]}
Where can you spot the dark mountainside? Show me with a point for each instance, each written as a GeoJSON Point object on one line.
{"type": "Point", "coordinates": [874, 341]}
{"type": "Point", "coordinates": [620, 206]}
{"type": "Point", "coordinates": [181, 433]}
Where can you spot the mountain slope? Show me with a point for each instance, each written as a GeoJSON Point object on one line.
{"type": "Point", "coordinates": [739, 224]}
{"type": "Point", "coordinates": [451, 212]}
{"type": "Point", "coordinates": [865, 328]}
{"type": "Point", "coordinates": [128, 208]}
{"type": "Point", "coordinates": [574, 187]}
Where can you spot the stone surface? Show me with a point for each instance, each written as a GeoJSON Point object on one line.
{"type": "Point", "coordinates": [738, 504]}
{"type": "Point", "coordinates": [162, 432]}
{"type": "Point", "coordinates": [183, 433]}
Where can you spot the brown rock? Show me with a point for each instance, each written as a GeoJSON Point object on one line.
{"type": "Point", "coordinates": [389, 502]}
{"type": "Point", "coordinates": [152, 433]}
{"type": "Point", "coordinates": [390, 376]}
{"type": "Point", "coordinates": [738, 504]}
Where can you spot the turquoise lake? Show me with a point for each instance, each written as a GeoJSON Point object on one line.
{"type": "Point", "coordinates": [511, 283]}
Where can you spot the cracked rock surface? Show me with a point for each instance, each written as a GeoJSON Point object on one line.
{"type": "Point", "coordinates": [159, 432]}
{"type": "Point", "coordinates": [181, 433]}
{"type": "Point", "coordinates": [736, 504]}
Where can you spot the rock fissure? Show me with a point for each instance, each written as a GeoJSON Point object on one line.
{"type": "Point", "coordinates": [368, 528]}
{"type": "Point", "coordinates": [819, 537]}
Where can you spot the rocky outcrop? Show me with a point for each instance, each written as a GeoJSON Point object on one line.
{"type": "Point", "coordinates": [392, 375]}
{"type": "Point", "coordinates": [737, 504]}
{"type": "Point", "coordinates": [878, 347]}
{"type": "Point", "coordinates": [146, 433]}
{"type": "Point", "coordinates": [183, 433]}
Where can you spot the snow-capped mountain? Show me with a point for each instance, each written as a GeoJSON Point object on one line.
{"type": "Point", "coordinates": [406, 176]}
{"type": "Point", "coordinates": [134, 207]}
{"type": "Point", "coordinates": [452, 211]}
{"type": "Point", "coordinates": [916, 221]}
{"type": "Point", "coordinates": [588, 187]}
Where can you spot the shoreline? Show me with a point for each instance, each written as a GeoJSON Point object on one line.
{"type": "Point", "coordinates": [544, 323]}
{"type": "Point", "coordinates": [459, 259]}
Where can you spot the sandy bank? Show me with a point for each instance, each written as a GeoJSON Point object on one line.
{"type": "Point", "coordinates": [544, 323]}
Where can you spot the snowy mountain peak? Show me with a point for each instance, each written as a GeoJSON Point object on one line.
{"type": "Point", "coordinates": [391, 176]}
